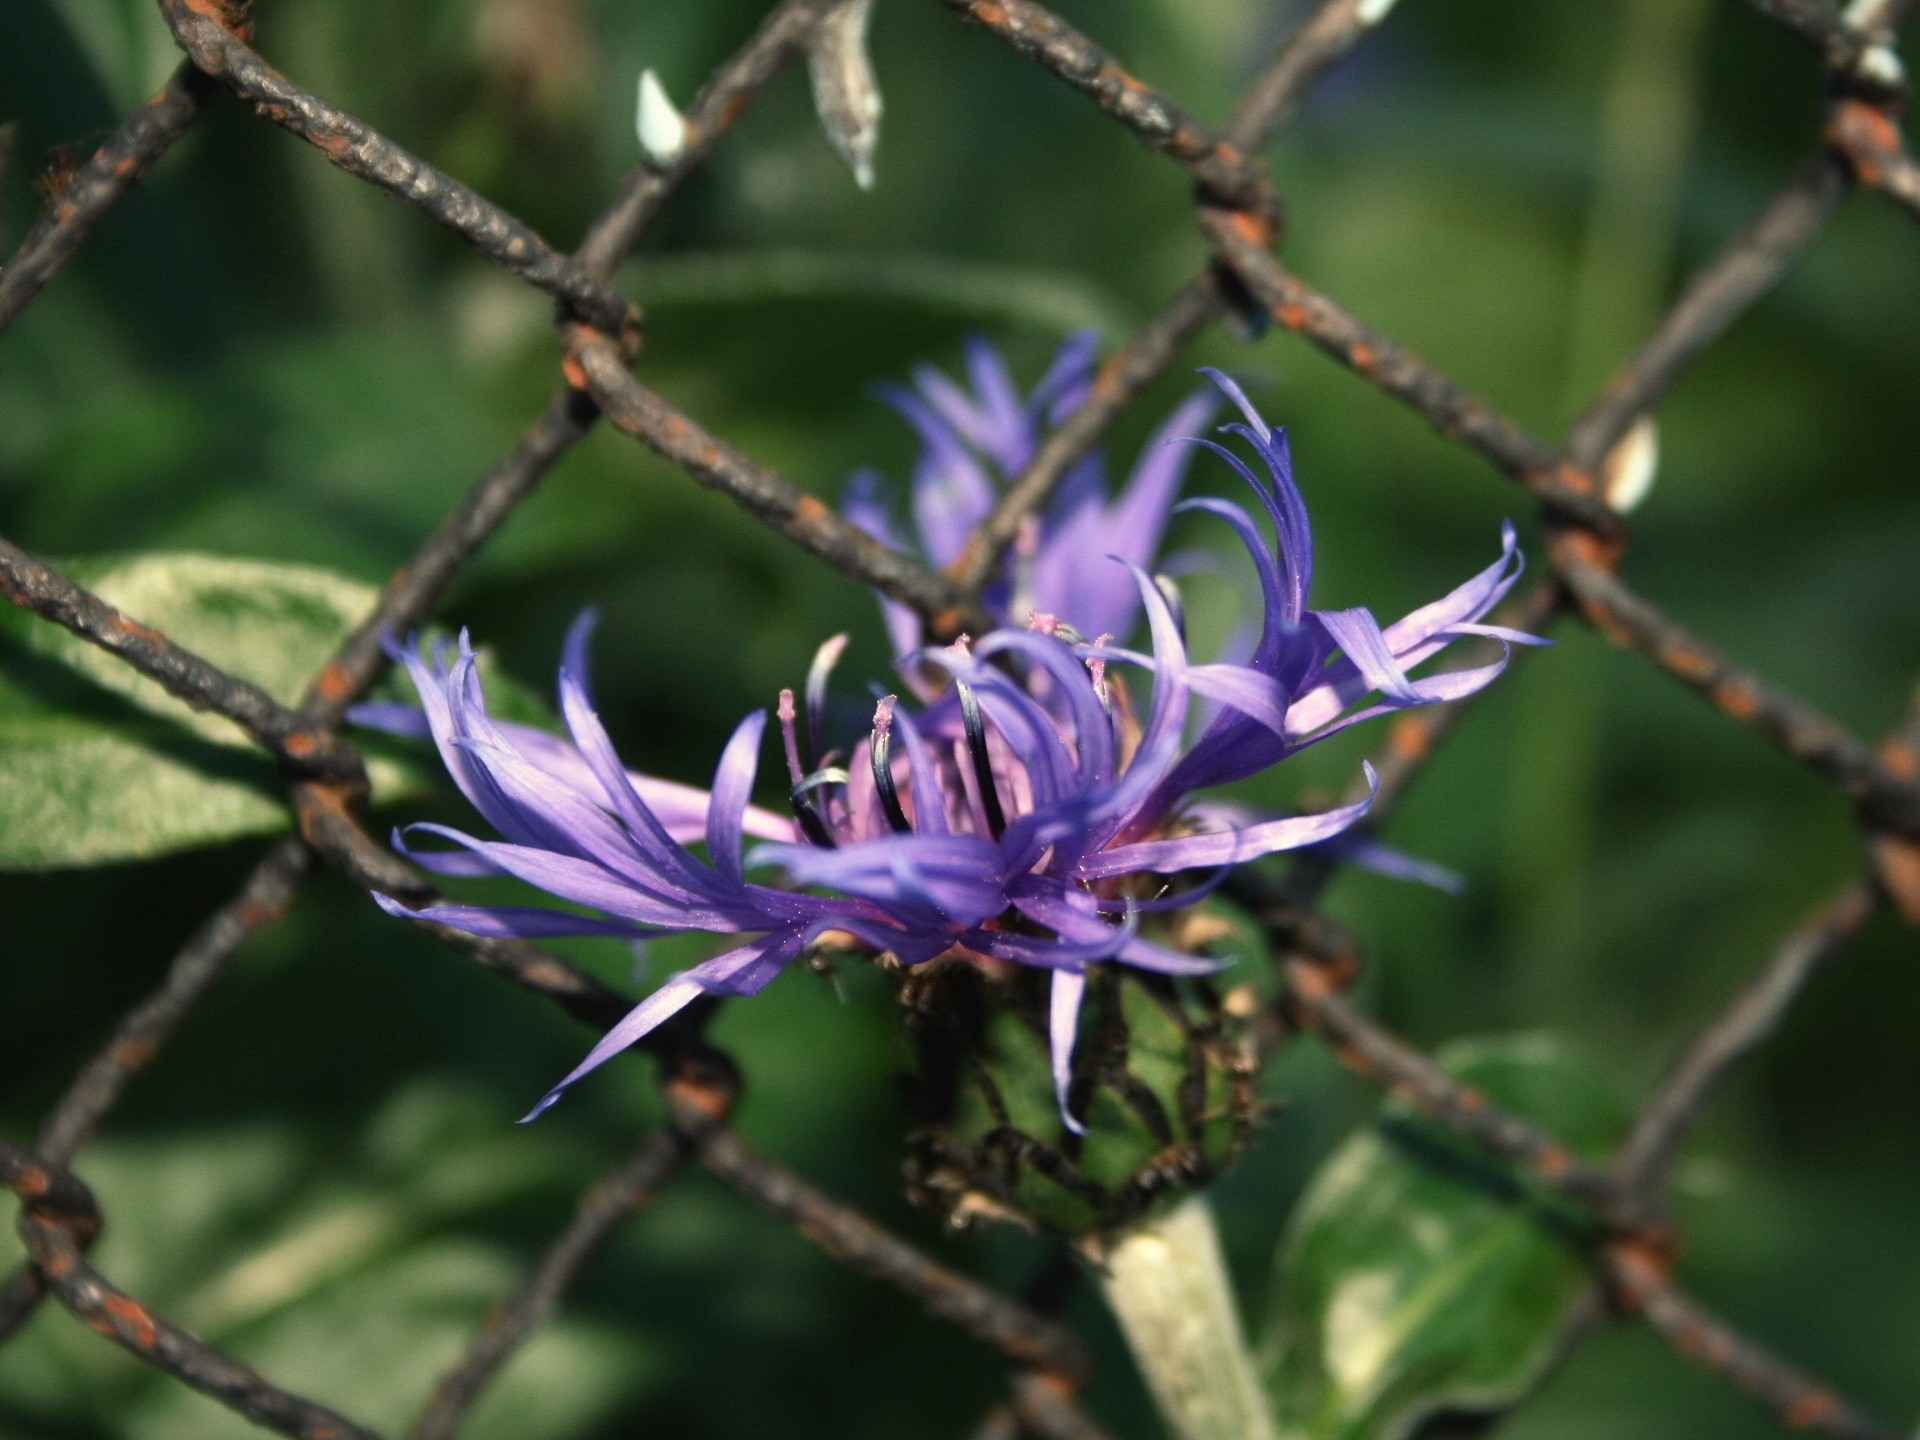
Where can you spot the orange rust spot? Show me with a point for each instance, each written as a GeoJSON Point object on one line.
{"type": "Point", "coordinates": [811, 511]}
{"type": "Point", "coordinates": [1252, 228]}
{"type": "Point", "coordinates": [1308, 981]}
{"type": "Point", "coordinates": [230, 15]}
{"type": "Point", "coordinates": [1340, 972]}
{"type": "Point", "coordinates": [333, 682]}
{"type": "Point", "coordinates": [124, 168]}
{"type": "Point", "coordinates": [1867, 136]}
{"type": "Point", "coordinates": [33, 1183]}
{"type": "Point", "coordinates": [1581, 547]}
{"type": "Point", "coordinates": [1640, 1265]}
{"type": "Point", "coordinates": [333, 144]}
{"type": "Point", "coordinates": [1408, 740]}
{"type": "Point", "coordinates": [1689, 662]}
{"type": "Point", "coordinates": [1576, 480]}
{"type": "Point", "coordinates": [58, 1265]}
{"type": "Point", "coordinates": [949, 621]}
{"type": "Point", "coordinates": [132, 1054]}
{"type": "Point", "coordinates": [1737, 698]}
{"type": "Point", "coordinates": [301, 744]}
{"type": "Point", "coordinates": [712, 1101]}
{"type": "Point", "coordinates": [575, 376]}
{"type": "Point", "coordinates": [1554, 1162]}
{"type": "Point", "coordinates": [1870, 123]}
{"type": "Point", "coordinates": [253, 914]}
{"type": "Point", "coordinates": [1900, 760]}
{"type": "Point", "coordinates": [1054, 1384]}
{"type": "Point", "coordinates": [1291, 314]}
{"type": "Point", "coordinates": [1362, 358]}
{"type": "Point", "coordinates": [133, 1315]}
{"type": "Point", "coordinates": [1715, 1349]}
{"type": "Point", "coordinates": [121, 625]}
{"type": "Point", "coordinates": [1896, 860]}
{"type": "Point", "coordinates": [988, 14]}
{"type": "Point", "coordinates": [1470, 1099]}
{"type": "Point", "coordinates": [1810, 1409]}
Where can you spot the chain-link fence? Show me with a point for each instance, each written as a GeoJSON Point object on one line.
{"type": "Point", "coordinates": [1241, 217]}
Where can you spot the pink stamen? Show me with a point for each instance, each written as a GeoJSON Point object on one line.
{"type": "Point", "coordinates": [789, 737]}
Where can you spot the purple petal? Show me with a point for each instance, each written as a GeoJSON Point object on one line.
{"type": "Point", "coordinates": [1096, 600]}
{"type": "Point", "coordinates": [738, 972]}
{"type": "Point", "coordinates": [1359, 636]}
{"type": "Point", "coordinates": [732, 784]}
{"type": "Point", "coordinates": [392, 717]}
{"type": "Point", "coordinates": [1227, 848]}
{"type": "Point", "coordinates": [1145, 956]}
{"type": "Point", "coordinates": [1063, 1025]}
{"type": "Point", "coordinates": [1008, 428]}
{"type": "Point", "coordinates": [1362, 850]}
{"type": "Point", "coordinates": [508, 922]}
{"type": "Point", "coordinates": [586, 883]}
{"type": "Point", "coordinates": [917, 877]}
{"type": "Point", "coordinates": [1428, 690]}
{"type": "Point", "coordinates": [1062, 389]}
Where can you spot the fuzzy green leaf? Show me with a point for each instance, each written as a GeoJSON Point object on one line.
{"type": "Point", "coordinates": [100, 764]}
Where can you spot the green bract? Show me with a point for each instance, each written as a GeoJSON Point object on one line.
{"type": "Point", "coordinates": [1163, 1077]}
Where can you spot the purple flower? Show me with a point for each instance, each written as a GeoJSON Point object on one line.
{"type": "Point", "coordinates": [974, 444]}
{"type": "Point", "coordinates": [1025, 814]}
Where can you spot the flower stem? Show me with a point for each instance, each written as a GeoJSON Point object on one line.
{"type": "Point", "coordinates": [1168, 1287]}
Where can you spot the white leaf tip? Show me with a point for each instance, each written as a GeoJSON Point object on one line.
{"type": "Point", "coordinates": [1628, 472]}
{"type": "Point", "coordinates": [661, 129]}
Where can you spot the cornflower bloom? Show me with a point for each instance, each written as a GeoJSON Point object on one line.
{"type": "Point", "coordinates": [976, 443]}
{"type": "Point", "coordinates": [1027, 814]}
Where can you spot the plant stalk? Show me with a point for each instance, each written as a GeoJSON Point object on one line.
{"type": "Point", "coordinates": [1167, 1285]}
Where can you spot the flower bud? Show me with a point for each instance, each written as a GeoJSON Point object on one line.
{"type": "Point", "coordinates": [1162, 1080]}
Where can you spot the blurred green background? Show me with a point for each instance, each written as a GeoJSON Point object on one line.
{"type": "Point", "coordinates": [257, 356]}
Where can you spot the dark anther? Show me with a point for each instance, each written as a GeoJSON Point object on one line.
{"type": "Point", "coordinates": [982, 758]}
{"type": "Point", "coordinates": [804, 809]}
{"type": "Point", "coordinates": [881, 753]}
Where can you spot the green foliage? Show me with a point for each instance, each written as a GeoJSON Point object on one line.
{"type": "Point", "coordinates": [1417, 1275]}
{"type": "Point", "coordinates": [351, 1276]}
{"type": "Point", "coordinates": [99, 763]}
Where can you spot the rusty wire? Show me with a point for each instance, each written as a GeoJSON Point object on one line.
{"type": "Point", "coordinates": [1239, 214]}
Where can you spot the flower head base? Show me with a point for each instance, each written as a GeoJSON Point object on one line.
{"type": "Point", "coordinates": [1028, 813]}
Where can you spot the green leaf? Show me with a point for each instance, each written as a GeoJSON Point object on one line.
{"type": "Point", "coordinates": [355, 1273]}
{"type": "Point", "coordinates": [98, 763]}
{"type": "Point", "coordinates": [1417, 1274]}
